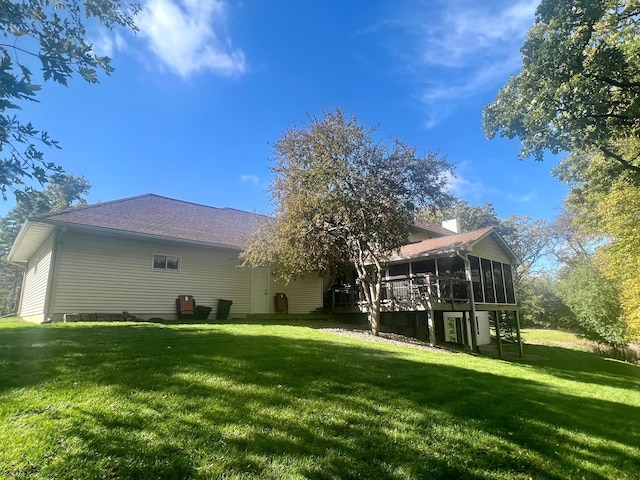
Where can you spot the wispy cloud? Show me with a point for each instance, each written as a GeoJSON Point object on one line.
{"type": "Point", "coordinates": [106, 42]}
{"type": "Point", "coordinates": [459, 50]}
{"type": "Point", "coordinates": [468, 31]}
{"type": "Point", "coordinates": [250, 179]}
{"type": "Point", "coordinates": [187, 36]}
{"type": "Point", "coordinates": [525, 198]}
{"type": "Point", "coordinates": [463, 186]}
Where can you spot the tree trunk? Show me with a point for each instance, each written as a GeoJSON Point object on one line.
{"type": "Point", "coordinates": [374, 317]}
{"type": "Point", "coordinates": [371, 288]}
{"type": "Point", "coordinates": [374, 305]}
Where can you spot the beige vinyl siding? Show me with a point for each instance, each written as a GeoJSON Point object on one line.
{"type": "Point", "coordinates": [34, 289]}
{"type": "Point", "coordinates": [303, 295]}
{"type": "Point", "coordinates": [489, 249]}
{"type": "Point", "coordinates": [101, 274]}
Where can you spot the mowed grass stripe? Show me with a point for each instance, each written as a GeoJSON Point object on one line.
{"type": "Point", "coordinates": [258, 401]}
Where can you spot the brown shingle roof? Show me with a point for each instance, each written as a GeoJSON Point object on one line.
{"type": "Point", "coordinates": [163, 217]}
{"type": "Point", "coordinates": [449, 244]}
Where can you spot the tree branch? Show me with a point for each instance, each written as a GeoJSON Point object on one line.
{"type": "Point", "coordinates": [625, 164]}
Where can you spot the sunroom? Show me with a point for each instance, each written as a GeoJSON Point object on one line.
{"type": "Point", "coordinates": [432, 289]}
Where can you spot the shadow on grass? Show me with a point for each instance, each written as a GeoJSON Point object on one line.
{"type": "Point", "coordinates": [145, 401]}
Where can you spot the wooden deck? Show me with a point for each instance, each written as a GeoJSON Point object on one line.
{"type": "Point", "coordinates": [415, 294]}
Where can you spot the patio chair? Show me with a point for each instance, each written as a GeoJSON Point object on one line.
{"type": "Point", "coordinates": [186, 307]}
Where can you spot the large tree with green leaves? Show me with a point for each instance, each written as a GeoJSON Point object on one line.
{"type": "Point", "coordinates": [579, 87]}
{"type": "Point", "coordinates": [63, 191]}
{"type": "Point", "coordinates": [343, 197]}
{"type": "Point", "coordinates": [49, 35]}
{"type": "Point", "coordinates": [593, 299]}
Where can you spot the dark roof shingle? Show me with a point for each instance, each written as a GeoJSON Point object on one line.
{"type": "Point", "coordinates": [441, 245]}
{"type": "Point", "coordinates": [164, 217]}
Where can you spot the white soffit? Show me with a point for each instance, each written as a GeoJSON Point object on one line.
{"type": "Point", "coordinates": [30, 238]}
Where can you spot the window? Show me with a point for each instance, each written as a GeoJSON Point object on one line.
{"type": "Point", "coordinates": [399, 270]}
{"type": "Point", "coordinates": [489, 294]}
{"type": "Point", "coordinates": [498, 282]}
{"type": "Point", "coordinates": [476, 277]}
{"type": "Point", "coordinates": [492, 281]}
{"type": "Point", "coordinates": [166, 262]}
{"type": "Point", "coordinates": [423, 266]}
{"type": "Point", "coordinates": [508, 283]}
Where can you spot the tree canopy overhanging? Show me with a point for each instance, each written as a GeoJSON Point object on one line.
{"type": "Point", "coordinates": [50, 36]}
{"type": "Point", "coordinates": [343, 197]}
{"type": "Point", "coordinates": [579, 87]}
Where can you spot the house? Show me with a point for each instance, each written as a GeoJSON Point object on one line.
{"type": "Point", "coordinates": [139, 254]}
{"type": "Point", "coordinates": [442, 279]}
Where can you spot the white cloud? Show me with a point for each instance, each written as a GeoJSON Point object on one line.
{"type": "Point", "coordinates": [107, 42]}
{"type": "Point", "coordinates": [187, 36]}
{"type": "Point", "coordinates": [466, 31]}
{"type": "Point", "coordinates": [250, 179]}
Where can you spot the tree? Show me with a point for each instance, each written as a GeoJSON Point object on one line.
{"type": "Point", "coordinates": [601, 221]}
{"type": "Point", "coordinates": [568, 240]}
{"type": "Point", "coordinates": [529, 240]}
{"type": "Point", "coordinates": [471, 217]}
{"type": "Point", "coordinates": [593, 299]}
{"type": "Point", "coordinates": [619, 212]}
{"type": "Point", "coordinates": [540, 304]}
{"type": "Point", "coordinates": [343, 197]}
{"type": "Point", "coordinates": [579, 88]}
{"type": "Point", "coordinates": [63, 191]}
{"type": "Point", "coordinates": [50, 35]}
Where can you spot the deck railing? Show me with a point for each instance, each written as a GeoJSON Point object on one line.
{"type": "Point", "coordinates": [419, 290]}
{"type": "Point", "coordinates": [408, 293]}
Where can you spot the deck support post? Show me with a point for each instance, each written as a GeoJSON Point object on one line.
{"type": "Point", "coordinates": [431, 327]}
{"type": "Point", "coordinates": [472, 303]}
{"type": "Point", "coordinates": [498, 333]}
{"type": "Point", "coordinates": [520, 346]}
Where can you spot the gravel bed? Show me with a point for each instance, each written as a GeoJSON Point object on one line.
{"type": "Point", "coordinates": [387, 337]}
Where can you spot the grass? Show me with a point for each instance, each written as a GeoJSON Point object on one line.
{"type": "Point", "coordinates": [557, 338]}
{"type": "Point", "coordinates": [275, 401]}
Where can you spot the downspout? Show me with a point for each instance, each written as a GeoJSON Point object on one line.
{"type": "Point", "coordinates": [519, 333]}
{"type": "Point", "coordinates": [472, 322]}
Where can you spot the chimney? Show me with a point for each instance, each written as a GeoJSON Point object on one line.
{"type": "Point", "coordinates": [453, 225]}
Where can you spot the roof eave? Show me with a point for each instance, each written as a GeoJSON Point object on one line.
{"type": "Point", "coordinates": [20, 252]}
{"type": "Point", "coordinates": [126, 233]}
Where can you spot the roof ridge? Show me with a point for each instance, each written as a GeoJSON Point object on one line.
{"type": "Point", "coordinates": [91, 205]}
{"type": "Point", "coordinates": [137, 197]}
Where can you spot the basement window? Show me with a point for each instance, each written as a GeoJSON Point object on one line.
{"type": "Point", "coordinates": [166, 262]}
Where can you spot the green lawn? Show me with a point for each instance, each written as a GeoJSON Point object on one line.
{"type": "Point", "coordinates": [559, 338]}
{"type": "Point", "coordinates": [265, 401]}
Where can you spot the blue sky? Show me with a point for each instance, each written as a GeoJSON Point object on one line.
{"type": "Point", "coordinates": [205, 88]}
